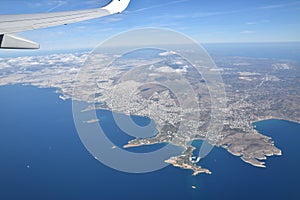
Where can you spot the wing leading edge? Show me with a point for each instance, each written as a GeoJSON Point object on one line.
{"type": "Point", "coordinates": [10, 24]}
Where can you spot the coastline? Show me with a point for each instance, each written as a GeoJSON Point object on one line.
{"type": "Point", "coordinates": [275, 118]}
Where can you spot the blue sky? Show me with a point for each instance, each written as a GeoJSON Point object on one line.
{"type": "Point", "coordinates": [213, 21]}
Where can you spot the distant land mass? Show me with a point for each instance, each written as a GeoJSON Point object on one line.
{"type": "Point", "coordinates": [256, 89]}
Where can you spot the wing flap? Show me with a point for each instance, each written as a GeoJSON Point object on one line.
{"type": "Point", "coordinates": [15, 42]}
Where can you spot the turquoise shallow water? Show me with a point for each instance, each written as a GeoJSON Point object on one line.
{"type": "Point", "coordinates": [43, 158]}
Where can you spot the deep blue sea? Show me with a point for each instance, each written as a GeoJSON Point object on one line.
{"type": "Point", "coordinates": [43, 158]}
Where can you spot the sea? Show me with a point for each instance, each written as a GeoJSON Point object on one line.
{"type": "Point", "coordinates": [42, 158]}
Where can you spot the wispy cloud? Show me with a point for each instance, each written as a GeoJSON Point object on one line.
{"type": "Point", "coordinates": [251, 23]}
{"type": "Point", "coordinates": [247, 32]}
{"type": "Point", "coordinates": [222, 13]}
{"type": "Point", "coordinates": [59, 4]}
{"type": "Point", "coordinates": [158, 6]}
{"type": "Point", "coordinates": [196, 15]}
{"type": "Point", "coordinates": [113, 19]}
{"type": "Point", "coordinates": [52, 4]}
{"type": "Point", "coordinates": [265, 21]}
{"type": "Point", "coordinates": [276, 6]}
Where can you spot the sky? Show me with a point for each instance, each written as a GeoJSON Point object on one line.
{"type": "Point", "coordinates": [206, 21]}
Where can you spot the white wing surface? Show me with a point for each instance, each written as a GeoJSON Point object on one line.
{"type": "Point", "coordinates": [10, 24]}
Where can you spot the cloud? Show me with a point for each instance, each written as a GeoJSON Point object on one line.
{"type": "Point", "coordinates": [167, 69]}
{"type": "Point", "coordinates": [276, 6]}
{"type": "Point", "coordinates": [265, 21]}
{"type": "Point", "coordinates": [168, 53]}
{"type": "Point", "coordinates": [222, 13]}
{"type": "Point", "coordinates": [251, 23]}
{"type": "Point", "coordinates": [158, 6]}
{"type": "Point", "coordinates": [58, 4]}
{"type": "Point", "coordinates": [52, 4]}
{"type": "Point", "coordinates": [247, 32]}
{"type": "Point", "coordinates": [70, 59]}
{"type": "Point", "coordinates": [113, 19]}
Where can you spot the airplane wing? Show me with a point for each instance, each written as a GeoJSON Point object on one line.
{"type": "Point", "coordinates": [10, 24]}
